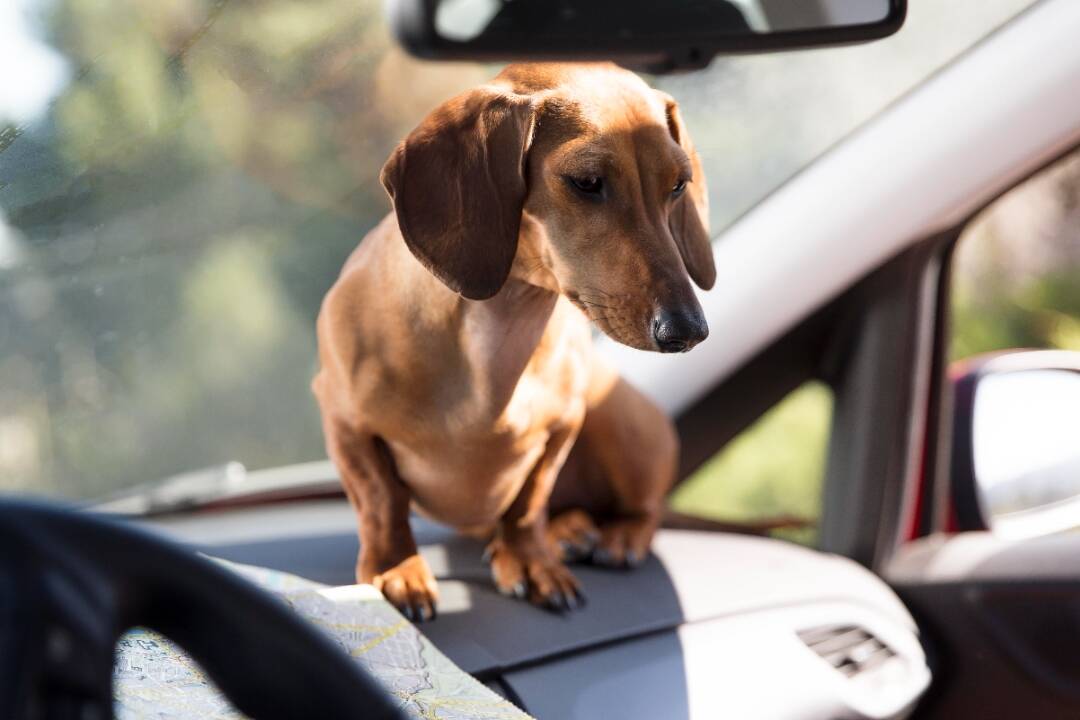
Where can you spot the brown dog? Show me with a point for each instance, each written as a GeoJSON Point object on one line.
{"type": "Point", "coordinates": [456, 363]}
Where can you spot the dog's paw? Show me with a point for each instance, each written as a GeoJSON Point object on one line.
{"type": "Point", "coordinates": [624, 542]}
{"type": "Point", "coordinates": [573, 535]}
{"type": "Point", "coordinates": [539, 576]}
{"type": "Point", "coordinates": [410, 587]}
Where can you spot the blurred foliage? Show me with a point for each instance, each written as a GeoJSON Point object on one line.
{"type": "Point", "coordinates": [774, 469]}
{"type": "Point", "coordinates": [171, 225]}
{"type": "Point", "coordinates": [1039, 313]}
{"type": "Point", "coordinates": [1017, 268]}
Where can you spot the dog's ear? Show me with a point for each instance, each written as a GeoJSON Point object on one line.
{"type": "Point", "coordinates": [458, 186]}
{"type": "Point", "coordinates": [689, 219]}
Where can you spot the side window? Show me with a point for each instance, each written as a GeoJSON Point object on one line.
{"type": "Point", "coordinates": [1016, 285]}
{"type": "Point", "coordinates": [770, 476]}
{"type": "Point", "coordinates": [1016, 275]}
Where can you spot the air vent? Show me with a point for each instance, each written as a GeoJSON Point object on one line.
{"type": "Point", "coordinates": [848, 648]}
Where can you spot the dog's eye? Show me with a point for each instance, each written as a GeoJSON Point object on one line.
{"type": "Point", "coordinates": [677, 190]}
{"type": "Point", "coordinates": [589, 185]}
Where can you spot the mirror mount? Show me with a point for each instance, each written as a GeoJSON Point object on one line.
{"type": "Point", "coordinates": [967, 507]}
{"type": "Point", "coordinates": [651, 37]}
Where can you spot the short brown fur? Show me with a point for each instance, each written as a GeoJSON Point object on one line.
{"type": "Point", "coordinates": [457, 372]}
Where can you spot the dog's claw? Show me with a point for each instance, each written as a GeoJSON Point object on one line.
{"type": "Point", "coordinates": [557, 601]}
{"type": "Point", "coordinates": [603, 556]}
{"type": "Point", "coordinates": [572, 552]}
{"type": "Point", "coordinates": [529, 572]}
{"type": "Point", "coordinates": [410, 588]}
{"type": "Point", "coordinates": [517, 590]}
{"type": "Point", "coordinates": [624, 543]}
{"type": "Point", "coordinates": [574, 536]}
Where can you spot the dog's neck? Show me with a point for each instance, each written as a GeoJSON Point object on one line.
{"type": "Point", "coordinates": [502, 335]}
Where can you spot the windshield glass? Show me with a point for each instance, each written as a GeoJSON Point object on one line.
{"type": "Point", "coordinates": [181, 180]}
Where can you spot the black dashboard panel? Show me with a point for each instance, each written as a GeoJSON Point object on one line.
{"type": "Point", "coordinates": [1003, 620]}
{"type": "Point", "coordinates": [709, 626]}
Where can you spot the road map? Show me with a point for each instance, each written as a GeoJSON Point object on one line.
{"type": "Point", "coordinates": [153, 678]}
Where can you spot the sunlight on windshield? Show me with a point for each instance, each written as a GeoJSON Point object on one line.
{"type": "Point", "coordinates": [756, 120]}
{"type": "Point", "coordinates": [31, 72]}
{"type": "Point", "coordinates": [183, 179]}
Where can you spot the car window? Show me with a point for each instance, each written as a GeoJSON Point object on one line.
{"type": "Point", "coordinates": [1016, 275]}
{"type": "Point", "coordinates": [770, 476]}
{"type": "Point", "coordinates": [181, 181]}
{"type": "Point", "coordinates": [1016, 286]}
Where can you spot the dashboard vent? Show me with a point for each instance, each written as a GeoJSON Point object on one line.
{"type": "Point", "coordinates": [848, 648]}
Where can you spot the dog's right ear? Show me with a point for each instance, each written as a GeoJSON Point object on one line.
{"type": "Point", "coordinates": [689, 220]}
{"type": "Point", "coordinates": [458, 186]}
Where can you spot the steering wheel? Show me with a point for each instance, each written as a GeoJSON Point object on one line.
{"type": "Point", "coordinates": [71, 583]}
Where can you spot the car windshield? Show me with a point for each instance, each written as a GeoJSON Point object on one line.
{"type": "Point", "coordinates": [181, 180]}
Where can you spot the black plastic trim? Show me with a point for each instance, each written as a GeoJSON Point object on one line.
{"type": "Point", "coordinates": [413, 24]}
{"type": "Point", "coordinates": [862, 344]}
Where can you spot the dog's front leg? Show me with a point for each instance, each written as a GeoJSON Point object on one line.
{"type": "Point", "coordinates": [523, 561]}
{"type": "Point", "coordinates": [388, 557]}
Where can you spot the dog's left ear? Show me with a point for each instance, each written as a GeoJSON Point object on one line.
{"type": "Point", "coordinates": [689, 220]}
{"type": "Point", "coordinates": [458, 186]}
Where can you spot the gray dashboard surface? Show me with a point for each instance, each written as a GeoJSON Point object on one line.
{"type": "Point", "coordinates": [710, 626]}
{"type": "Point", "coordinates": [691, 577]}
{"type": "Point", "coordinates": [620, 603]}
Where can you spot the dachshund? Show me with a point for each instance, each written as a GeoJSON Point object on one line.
{"type": "Point", "coordinates": [457, 374]}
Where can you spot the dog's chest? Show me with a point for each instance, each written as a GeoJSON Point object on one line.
{"type": "Point", "coordinates": [468, 462]}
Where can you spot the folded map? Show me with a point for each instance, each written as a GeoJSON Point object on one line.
{"type": "Point", "coordinates": [153, 678]}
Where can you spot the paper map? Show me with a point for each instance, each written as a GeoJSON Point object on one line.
{"type": "Point", "coordinates": [153, 678]}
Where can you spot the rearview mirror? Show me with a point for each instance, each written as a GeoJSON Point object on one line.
{"type": "Point", "coordinates": [1018, 442]}
{"type": "Point", "coordinates": [655, 36]}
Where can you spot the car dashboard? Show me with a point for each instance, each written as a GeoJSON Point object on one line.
{"type": "Point", "coordinates": [712, 625]}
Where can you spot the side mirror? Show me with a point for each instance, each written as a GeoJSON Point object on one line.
{"type": "Point", "coordinates": [1016, 443]}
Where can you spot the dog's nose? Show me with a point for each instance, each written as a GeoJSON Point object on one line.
{"type": "Point", "coordinates": [678, 331]}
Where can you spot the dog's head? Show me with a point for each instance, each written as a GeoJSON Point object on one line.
{"type": "Point", "coordinates": [599, 170]}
